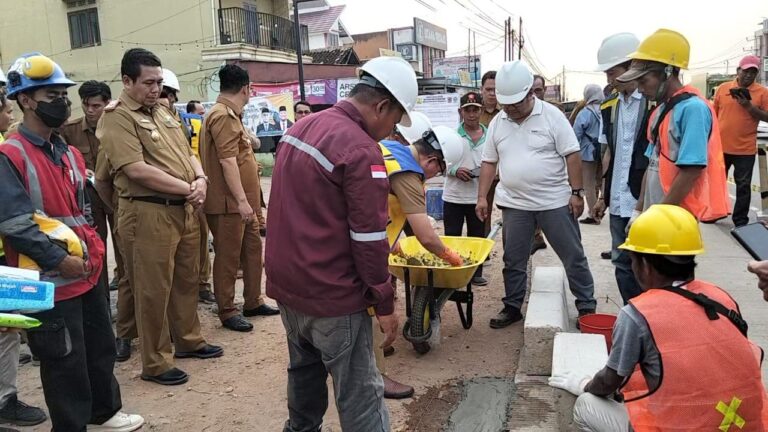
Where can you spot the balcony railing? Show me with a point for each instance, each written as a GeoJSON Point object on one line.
{"type": "Point", "coordinates": [238, 25]}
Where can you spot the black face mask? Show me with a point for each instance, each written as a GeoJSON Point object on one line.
{"type": "Point", "coordinates": [53, 114]}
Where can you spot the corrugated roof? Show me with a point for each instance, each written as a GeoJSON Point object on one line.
{"type": "Point", "coordinates": [321, 21]}
{"type": "Point", "coordinates": [338, 56]}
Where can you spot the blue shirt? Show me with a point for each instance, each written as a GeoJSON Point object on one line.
{"type": "Point", "coordinates": [689, 129]}
{"type": "Point", "coordinates": [587, 130]}
{"type": "Point", "coordinates": [628, 118]}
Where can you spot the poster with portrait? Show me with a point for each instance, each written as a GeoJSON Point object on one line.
{"type": "Point", "coordinates": [269, 116]}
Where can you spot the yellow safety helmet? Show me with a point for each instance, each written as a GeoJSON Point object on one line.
{"type": "Point", "coordinates": [664, 46]}
{"type": "Point", "coordinates": [59, 234]}
{"type": "Point", "coordinates": [665, 229]}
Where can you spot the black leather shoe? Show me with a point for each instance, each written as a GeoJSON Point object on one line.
{"type": "Point", "coordinates": [264, 309]}
{"type": "Point", "coordinates": [18, 413]}
{"type": "Point", "coordinates": [206, 296]}
{"type": "Point", "coordinates": [606, 255]}
{"type": "Point", "coordinates": [206, 352]}
{"type": "Point", "coordinates": [506, 317]}
{"type": "Point", "coordinates": [24, 358]}
{"type": "Point", "coordinates": [173, 376]}
{"type": "Point", "coordinates": [113, 284]}
{"type": "Point", "coordinates": [263, 232]}
{"type": "Point", "coordinates": [237, 323]}
{"type": "Point", "coordinates": [123, 346]}
{"type": "Point", "coordinates": [581, 314]}
{"type": "Point", "coordinates": [479, 281]}
{"type": "Point", "coordinates": [538, 244]}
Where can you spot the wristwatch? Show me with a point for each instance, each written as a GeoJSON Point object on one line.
{"type": "Point", "coordinates": [204, 177]}
{"type": "Point", "coordinates": [578, 192]}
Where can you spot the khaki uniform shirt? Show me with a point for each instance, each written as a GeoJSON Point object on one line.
{"type": "Point", "coordinates": [486, 117]}
{"type": "Point", "coordinates": [130, 132]}
{"type": "Point", "coordinates": [223, 136]}
{"type": "Point", "coordinates": [104, 173]}
{"type": "Point", "coordinates": [78, 134]}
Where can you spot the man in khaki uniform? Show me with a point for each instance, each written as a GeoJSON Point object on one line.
{"type": "Point", "coordinates": [227, 158]}
{"type": "Point", "coordinates": [125, 325]}
{"type": "Point", "coordinates": [169, 97]}
{"type": "Point", "coordinates": [81, 134]}
{"type": "Point", "coordinates": [160, 184]}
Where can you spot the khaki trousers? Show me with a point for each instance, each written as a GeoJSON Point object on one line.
{"type": "Point", "coordinates": [162, 258]}
{"type": "Point", "coordinates": [125, 327]}
{"type": "Point", "coordinates": [235, 244]}
{"type": "Point", "coordinates": [205, 258]}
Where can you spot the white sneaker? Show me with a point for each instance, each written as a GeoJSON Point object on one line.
{"type": "Point", "coordinates": [120, 422]}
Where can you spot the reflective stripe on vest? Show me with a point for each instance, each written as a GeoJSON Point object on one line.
{"type": "Point", "coordinates": [397, 158]}
{"type": "Point", "coordinates": [36, 195]}
{"type": "Point", "coordinates": [711, 376]}
{"type": "Point", "coordinates": [708, 199]}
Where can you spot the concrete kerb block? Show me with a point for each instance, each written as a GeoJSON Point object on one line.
{"type": "Point", "coordinates": [546, 316]}
{"type": "Point", "coordinates": [584, 354]}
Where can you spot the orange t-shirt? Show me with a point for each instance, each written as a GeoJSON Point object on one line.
{"type": "Point", "coordinates": [738, 129]}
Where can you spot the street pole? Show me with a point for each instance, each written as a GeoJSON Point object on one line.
{"type": "Point", "coordinates": [299, 54]}
{"type": "Point", "coordinates": [520, 40]}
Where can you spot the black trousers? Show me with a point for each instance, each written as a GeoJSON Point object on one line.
{"type": "Point", "coordinates": [454, 216]}
{"type": "Point", "coordinates": [743, 165]}
{"type": "Point", "coordinates": [76, 347]}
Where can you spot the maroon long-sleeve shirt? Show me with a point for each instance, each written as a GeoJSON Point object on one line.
{"type": "Point", "coordinates": [326, 253]}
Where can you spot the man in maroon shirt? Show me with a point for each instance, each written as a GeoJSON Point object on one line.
{"type": "Point", "coordinates": [326, 254]}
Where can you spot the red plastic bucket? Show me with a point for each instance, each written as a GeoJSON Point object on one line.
{"type": "Point", "coordinates": [601, 324]}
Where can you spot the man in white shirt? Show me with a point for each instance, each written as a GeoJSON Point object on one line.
{"type": "Point", "coordinates": [460, 190]}
{"type": "Point", "coordinates": [537, 155]}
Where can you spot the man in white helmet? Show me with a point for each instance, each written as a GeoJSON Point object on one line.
{"type": "Point", "coordinates": [331, 185]}
{"type": "Point", "coordinates": [625, 121]}
{"type": "Point", "coordinates": [168, 97]}
{"type": "Point", "coordinates": [539, 165]}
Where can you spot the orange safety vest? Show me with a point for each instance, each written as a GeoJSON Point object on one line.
{"type": "Point", "coordinates": [708, 200]}
{"type": "Point", "coordinates": [710, 377]}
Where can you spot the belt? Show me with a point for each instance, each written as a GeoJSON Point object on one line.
{"type": "Point", "coordinates": [158, 200]}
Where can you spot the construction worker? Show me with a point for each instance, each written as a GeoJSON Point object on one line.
{"type": "Point", "coordinates": [80, 133]}
{"type": "Point", "coordinates": [12, 410]}
{"type": "Point", "coordinates": [625, 116]}
{"type": "Point", "coordinates": [228, 160]}
{"type": "Point", "coordinates": [44, 179]}
{"type": "Point", "coordinates": [160, 184]}
{"type": "Point", "coordinates": [191, 126]}
{"type": "Point", "coordinates": [407, 167]}
{"type": "Point", "coordinates": [686, 166]}
{"type": "Point", "coordinates": [695, 370]}
{"type": "Point", "coordinates": [331, 184]}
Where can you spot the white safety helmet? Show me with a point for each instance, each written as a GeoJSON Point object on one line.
{"type": "Point", "coordinates": [615, 50]}
{"type": "Point", "coordinates": [397, 76]}
{"type": "Point", "coordinates": [419, 125]}
{"type": "Point", "coordinates": [170, 80]}
{"type": "Point", "coordinates": [448, 141]}
{"type": "Point", "coordinates": [514, 81]}
{"type": "Point", "coordinates": [3, 79]}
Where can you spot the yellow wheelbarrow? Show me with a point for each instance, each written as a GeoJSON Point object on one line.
{"type": "Point", "coordinates": [434, 286]}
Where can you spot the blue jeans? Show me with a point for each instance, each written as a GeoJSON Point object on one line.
{"type": "Point", "coordinates": [343, 347]}
{"type": "Point", "coordinates": [625, 279]}
{"type": "Point", "coordinates": [563, 234]}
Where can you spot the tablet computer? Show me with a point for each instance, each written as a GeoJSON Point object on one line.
{"type": "Point", "coordinates": [753, 238]}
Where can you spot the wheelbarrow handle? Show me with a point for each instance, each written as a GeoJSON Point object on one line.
{"type": "Point", "coordinates": [494, 230]}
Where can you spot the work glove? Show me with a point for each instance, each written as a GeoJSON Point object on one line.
{"type": "Point", "coordinates": [451, 257]}
{"type": "Point", "coordinates": [570, 382]}
{"type": "Point", "coordinates": [635, 214]}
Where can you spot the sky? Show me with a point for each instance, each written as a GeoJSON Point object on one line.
{"type": "Point", "coordinates": [567, 34]}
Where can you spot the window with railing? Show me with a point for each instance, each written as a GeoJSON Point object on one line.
{"type": "Point", "coordinates": [84, 28]}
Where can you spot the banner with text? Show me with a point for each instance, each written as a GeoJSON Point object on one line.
{"type": "Point", "coordinates": [269, 115]}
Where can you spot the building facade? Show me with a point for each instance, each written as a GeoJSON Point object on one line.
{"type": "Point", "coordinates": [192, 38]}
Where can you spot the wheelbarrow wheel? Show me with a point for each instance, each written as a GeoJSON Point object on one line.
{"type": "Point", "coordinates": [420, 320]}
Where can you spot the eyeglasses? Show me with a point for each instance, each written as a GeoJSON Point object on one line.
{"type": "Point", "coordinates": [304, 112]}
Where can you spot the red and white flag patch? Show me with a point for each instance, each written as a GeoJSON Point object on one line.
{"type": "Point", "coordinates": [378, 171]}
